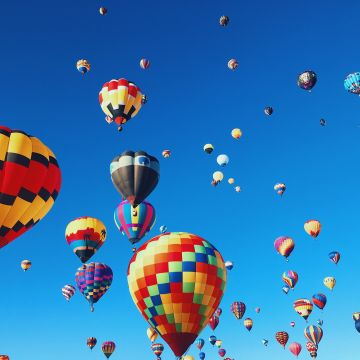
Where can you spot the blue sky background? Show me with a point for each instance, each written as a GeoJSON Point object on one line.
{"type": "Point", "coordinates": [193, 99]}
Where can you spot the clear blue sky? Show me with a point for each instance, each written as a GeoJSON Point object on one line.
{"type": "Point", "coordinates": [193, 99]}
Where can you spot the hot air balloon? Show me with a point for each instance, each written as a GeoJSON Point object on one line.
{"type": "Point", "coordinates": [313, 227]}
{"type": "Point", "coordinates": [312, 349]}
{"type": "Point", "coordinates": [320, 322]}
{"type": "Point", "coordinates": [284, 245]}
{"type": "Point", "coordinates": [290, 278]}
{"type": "Point", "coordinates": [356, 316]}
{"type": "Point", "coordinates": [214, 322]}
{"type": "Point", "coordinates": [91, 342]}
{"type": "Point", "coordinates": [334, 256]}
{"type": "Point", "coordinates": [280, 188]}
{"type": "Point", "coordinates": [187, 357]}
{"type": "Point", "coordinates": [120, 100]}
{"type": "Point", "coordinates": [4, 357]}
{"type": "Point", "coordinates": [201, 355]}
{"type": "Point", "coordinates": [26, 265]}
{"type": "Point", "coordinates": [233, 64]}
{"type": "Point", "coordinates": [217, 177]}
{"type": "Point", "coordinates": [144, 99]}
{"type": "Point", "coordinates": [237, 188]}
{"type": "Point", "coordinates": [238, 308]}
{"type": "Point", "coordinates": [352, 83]}
{"type": "Point", "coordinates": [157, 349]}
{"type": "Point", "coordinates": [329, 282]}
{"type": "Point", "coordinates": [30, 182]}
{"type": "Point", "coordinates": [163, 229]}
{"type": "Point", "coordinates": [208, 148]}
{"type": "Point", "coordinates": [68, 291]}
{"type": "Point", "coordinates": [285, 289]}
{"type": "Point", "coordinates": [200, 343]}
{"type": "Point", "coordinates": [222, 352]}
{"type": "Point", "coordinates": [357, 326]}
{"type": "Point", "coordinates": [108, 347]}
{"type": "Point", "coordinates": [319, 300]}
{"type": "Point", "coordinates": [218, 343]}
{"type": "Point", "coordinates": [236, 133]}
{"type": "Point", "coordinates": [103, 10]}
{"type": "Point", "coordinates": [268, 110]}
{"type": "Point", "coordinates": [218, 311]}
{"type": "Point", "coordinates": [190, 275]}
{"type": "Point", "coordinates": [135, 175]}
{"type": "Point", "coordinates": [265, 342]}
{"type": "Point", "coordinates": [83, 66]}
{"type": "Point", "coordinates": [166, 154]}
{"type": "Point", "coordinates": [93, 280]}
{"type": "Point", "coordinates": [222, 160]}
{"type": "Point", "coordinates": [151, 334]}
{"type": "Point", "coordinates": [229, 265]}
{"type": "Point", "coordinates": [212, 340]}
{"type": "Point", "coordinates": [224, 20]}
{"type": "Point", "coordinates": [248, 323]}
{"type": "Point", "coordinates": [231, 181]}
{"type": "Point", "coordinates": [292, 324]}
{"type": "Point", "coordinates": [295, 348]}
{"type": "Point", "coordinates": [144, 64]}
{"type": "Point", "coordinates": [134, 222]}
{"type": "Point", "coordinates": [307, 80]}
{"type": "Point", "coordinates": [303, 307]}
{"type": "Point", "coordinates": [313, 334]}
{"type": "Point", "coordinates": [257, 310]}
{"type": "Point", "coordinates": [322, 122]}
{"type": "Point", "coordinates": [282, 338]}
{"type": "Point", "coordinates": [85, 235]}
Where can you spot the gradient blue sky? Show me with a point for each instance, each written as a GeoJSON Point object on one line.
{"type": "Point", "coordinates": [193, 99]}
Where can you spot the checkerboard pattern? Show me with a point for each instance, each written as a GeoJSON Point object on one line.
{"type": "Point", "coordinates": [177, 281]}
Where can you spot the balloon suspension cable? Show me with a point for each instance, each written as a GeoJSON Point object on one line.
{"type": "Point", "coordinates": [92, 308]}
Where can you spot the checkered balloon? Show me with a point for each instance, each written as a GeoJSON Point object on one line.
{"type": "Point", "coordinates": [177, 281]}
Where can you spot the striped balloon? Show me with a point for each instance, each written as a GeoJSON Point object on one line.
{"type": "Point", "coordinates": [91, 342]}
{"type": "Point", "coordinates": [312, 349]}
{"type": "Point", "coordinates": [68, 291]}
{"type": "Point", "coordinates": [352, 83]}
{"type": "Point", "coordinates": [85, 235]}
{"type": "Point", "coordinates": [313, 227]}
{"type": "Point", "coordinates": [120, 100]}
{"type": "Point", "coordinates": [151, 334]}
{"type": "Point", "coordinates": [319, 300]}
{"type": "Point", "coordinates": [157, 349]}
{"type": "Point", "coordinates": [284, 245]}
{"type": "Point", "coordinates": [93, 280]}
{"type": "Point", "coordinates": [238, 308]}
{"type": "Point", "coordinates": [282, 338]}
{"type": "Point", "coordinates": [313, 334]}
{"type": "Point", "coordinates": [200, 343]}
{"type": "Point", "coordinates": [108, 347]}
{"type": "Point", "coordinates": [218, 343]}
{"type": "Point", "coordinates": [214, 322]}
{"type": "Point", "coordinates": [290, 278]}
{"type": "Point", "coordinates": [248, 323]}
{"type": "Point", "coordinates": [134, 222]}
{"type": "Point", "coordinates": [30, 181]}
{"type": "Point", "coordinates": [303, 307]}
{"type": "Point", "coordinates": [144, 64]}
{"type": "Point", "coordinates": [334, 256]}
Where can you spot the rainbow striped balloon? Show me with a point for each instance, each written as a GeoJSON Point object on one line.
{"type": "Point", "coordinates": [284, 245]}
{"type": "Point", "coordinates": [313, 334]}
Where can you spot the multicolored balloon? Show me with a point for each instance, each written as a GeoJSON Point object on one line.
{"type": "Point", "coordinates": [134, 222]}
{"type": "Point", "coordinates": [214, 322]}
{"type": "Point", "coordinates": [233, 64]}
{"type": "Point", "coordinates": [284, 245]}
{"type": "Point", "coordinates": [68, 291]}
{"type": "Point", "coordinates": [190, 275]}
{"type": "Point", "coordinates": [26, 265]}
{"type": "Point", "coordinates": [334, 256]}
{"type": "Point", "coordinates": [135, 175]}
{"type": "Point", "coordinates": [108, 347]}
{"type": "Point", "coordinates": [352, 83]}
{"type": "Point", "coordinates": [280, 188]}
{"type": "Point", "coordinates": [312, 349]}
{"type": "Point", "coordinates": [307, 80]}
{"type": "Point", "coordinates": [229, 265]}
{"type": "Point", "coordinates": [222, 352]}
{"type": "Point", "coordinates": [248, 323]}
{"type": "Point", "coordinates": [290, 278]}
{"type": "Point", "coordinates": [200, 343]}
{"type": "Point", "coordinates": [91, 342]}
{"type": "Point", "coordinates": [303, 307]}
{"type": "Point", "coordinates": [120, 100]}
{"type": "Point", "coordinates": [218, 343]}
{"type": "Point", "coordinates": [292, 323]}
{"type": "Point", "coordinates": [224, 20]}
{"type": "Point", "coordinates": [268, 110]}
{"type": "Point", "coordinates": [144, 63]}
{"type": "Point", "coordinates": [295, 348]}
{"type": "Point", "coordinates": [356, 316]}
{"type": "Point", "coordinates": [313, 228]}
{"type": "Point", "coordinates": [151, 334]}
{"type": "Point", "coordinates": [319, 300]}
{"type": "Point", "coordinates": [85, 235]}
{"type": "Point", "coordinates": [103, 10]}
{"type": "Point", "coordinates": [83, 66]}
{"type": "Point", "coordinates": [238, 308]}
{"type": "Point", "coordinates": [157, 349]}
{"type": "Point", "coordinates": [282, 338]}
{"type": "Point", "coordinates": [166, 154]}
{"type": "Point", "coordinates": [93, 280]}
{"type": "Point", "coordinates": [218, 312]}
{"type": "Point", "coordinates": [208, 148]}
{"type": "Point", "coordinates": [30, 182]}
{"type": "Point", "coordinates": [330, 282]}
{"type": "Point", "coordinates": [236, 133]}
{"type": "Point", "coordinates": [212, 340]}
{"type": "Point", "coordinates": [217, 177]}
{"type": "Point", "coordinates": [313, 334]}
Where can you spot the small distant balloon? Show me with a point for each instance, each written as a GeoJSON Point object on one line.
{"type": "Point", "coordinates": [91, 342]}
{"type": "Point", "coordinates": [319, 300]}
{"type": "Point", "coordinates": [292, 323]}
{"type": "Point", "coordinates": [144, 99]}
{"type": "Point", "coordinates": [217, 177]}
{"type": "Point", "coordinates": [320, 322]}
{"type": "Point", "coordinates": [163, 229]}
{"type": "Point", "coordinates": [356, 316]}
{"type": "Point", "coordinates": [322, 122]}
{"type": "Point", "coordinates": [212, 340]}
{"type": "Point", "coordinates": [237, 189]}
{"type": "Point", "coordinates": [218, 343]}
{"type": "Point", "coordinates": [108, 347]}
{"type": "Point", "coordinates": [231, 181]}
{"type": "Point", "coordinates": [222, 160]}
{"type": "Point", "coordinates": [233, 64]}
{"type": "Point", "coordinates": [224, 20]}
{"type": "Point", "coordinates": [257, 310]}
{"type": "Point", "coordinates": [290, 278]}
{"type": "Point", "coordinates": [151, 334]}
{"type": "Point", "coordinates": [330, 282]}
{"type": "Point", "coordinates": [83, 66]}
{"type": "Point", "coordinates": [313, 227]}
{"type": "Point", "coordinates": [68, 291]}
{"type": "Point", "coordinates": [248, 323]}
{"type": "Point", "coordinates": [26, 265]}
{"type": "Point", "coordinates": [229, 265]}
{"type": "Point", "coordinates": [144, 64]}
{"type": "Point", "coordinates": [313, 334]}
{"type": "Point", "coordinates": [200, 343]}
{"type": "Point", "coordinates": [166, 154]}
{"type": "Point", "coordinates": [268, 110]}
{"type": "Point", "coordinates": [236, 133]}
{"type": "Point", "coordinates": [208, 148]}
{"type": "Point", "coordinates": [103, 10]}
{"type": "Point", "coordinates": [334, 256]}
{"type": "Point", "coordinates": [303, 307]}
{"type": "Point", "coordinates": [295, 348]}
{"type": "Point", "coordinates": [284, 245]}
{"type": "Point", "coordinates": [307, 80]}
{"type": "Point", "coordinates": [222, 352]}
{"type": "Point", "coordinates": [265, 342]}
{"type": "Point", "coordinates": [280, 188]}
{"type": "Point", "coordinates": [282, 338]}
{"type": "Point", "coordinates": [285, 289]}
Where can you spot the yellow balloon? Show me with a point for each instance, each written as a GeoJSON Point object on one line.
{"type": "Point", "coordinates": [25, 265]}
{"type": "Point", "coordinates": [218, 176]}
{"type": "Point", "coordinates": [329, 282]}
{"type": "Point", "coordinates": [312, 227]}
{"type": "Point", "coordinates": [151, 334]}
{"type": "Point", "coordinates": [236, 133]}
{"type": "Point", "coordinates": [231, 181]}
